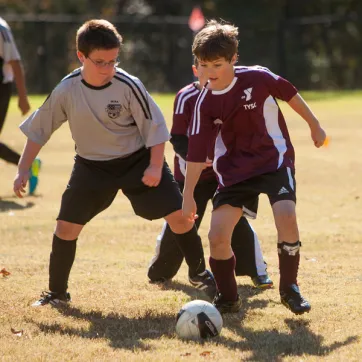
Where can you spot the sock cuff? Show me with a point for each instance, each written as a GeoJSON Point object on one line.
{"type": "Point", "coordinates": [58, 239]}
{"type": "Point", "coordinates": [231, 260]}
{"type": "Point", "coordinates": [288, 248]}
{"type": "Point", "coordinates": [60, 245]}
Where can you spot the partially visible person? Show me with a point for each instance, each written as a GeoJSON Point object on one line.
{"type": "Point", "coordinates": [245, 244]}
{"type": "Point", "coordinates": [11, 70]}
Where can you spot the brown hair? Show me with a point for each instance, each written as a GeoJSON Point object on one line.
{"type": "Point", "coordinates": [97, 34]}
{"type": "Point", "coordinates": [216, 40]}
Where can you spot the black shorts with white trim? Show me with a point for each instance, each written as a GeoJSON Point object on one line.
{"type": "Point", "coordinates": [279, 185]}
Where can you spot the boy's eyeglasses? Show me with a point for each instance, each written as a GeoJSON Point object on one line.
{"type": "Point", "coordinates": [103, 64]}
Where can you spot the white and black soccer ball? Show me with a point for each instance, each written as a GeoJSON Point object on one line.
{"type": "Point", "coordinates": [198, 320]}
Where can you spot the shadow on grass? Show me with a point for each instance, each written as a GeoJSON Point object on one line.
{"type": "Point", "coordinates": [273, 345]}
{"type": "Point", "coordinates": [265, 345]}
{"type": "Point", "coordinates": [12, 205]}
{"type": "Point", "coordinates": [121, 331]}
{"type": "Point", "coordinates": [245, 291]}
{"type": "Point", "coordinates": [129, 333]}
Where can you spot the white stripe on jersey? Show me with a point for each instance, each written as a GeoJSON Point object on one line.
{"type": "Point", "coordinates": [196, 118]}
{"type": "Point", "coordinates": [220, 150]}
{"type": "Point", "coordinates": [182, 164]}
{"type": "Point", "coordinates": [183, 97]}
{"type": "Point", "coordinates": [270, 113]}
{"type": "Point", "coordinates": [290, 177]}
{"type": "Point", "coordinates": [239, 70]}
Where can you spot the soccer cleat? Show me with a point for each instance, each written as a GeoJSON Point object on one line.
{"type": "Point", "coordinates": [226, 306]}
{"type": "Point", "coordinates": [293, 300]}
{"type": "Point", "coordinates": [205, 281]}
{"type": "Point", "coordinates": [34, 176]}
{"type": "Point", "coordinates": [54, 299]}
{"type": "Point", "coordinates": [262, 281]}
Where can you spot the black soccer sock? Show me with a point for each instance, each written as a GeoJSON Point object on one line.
{"type": "Point", "coordinates": [243, 245]}
{"type": "Point", "coordinates": [289, 257]}
{"type": "Point", "coordinates": [168, 259]}
{"type": "Point", "coordinates": [8, 154]}
{"type": "Point", "coordinates": [191, 247]}
{"type": "Point", "coordinates": [61, 261]}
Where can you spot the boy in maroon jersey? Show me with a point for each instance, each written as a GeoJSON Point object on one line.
{"type": "Point", "coordinates": [168, 257]}
{"type": "Point", "coordinates": [237, 113]}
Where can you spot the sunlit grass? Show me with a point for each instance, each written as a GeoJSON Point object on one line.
{"type": "Point", "coordinates": [116, 315]}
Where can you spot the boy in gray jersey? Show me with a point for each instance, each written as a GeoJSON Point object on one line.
{"type": "Point", "coordinates": [120, 136]}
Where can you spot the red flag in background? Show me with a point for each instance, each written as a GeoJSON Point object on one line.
{"type": "Point", "coordinates": [196, 19]}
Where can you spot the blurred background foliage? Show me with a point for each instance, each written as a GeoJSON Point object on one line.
{"type": "Point", "coordinates": [316, 44]}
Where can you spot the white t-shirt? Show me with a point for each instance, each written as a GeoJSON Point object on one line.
{"type": "Point", "coordinates": [106, 122]}
{"type": "Point", "coordinates": [8, 52]}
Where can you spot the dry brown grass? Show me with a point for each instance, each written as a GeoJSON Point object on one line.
{"type": "Point", "coordinates": [116, 315]}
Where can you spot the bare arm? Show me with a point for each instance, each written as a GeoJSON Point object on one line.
{"type": "Point", "coordinates": [31, 150]}
{"type": "Point", "coordinates": [23, 103]}
{"type": "Point", "coordinates": [153, 173]}
{"type": "Point", "coordinates": [193, 172]}
{"type": "Point", "coordinates": [298, 104]}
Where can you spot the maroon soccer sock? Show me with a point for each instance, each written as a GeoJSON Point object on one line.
{"type": "Point", "coordinates": [288, 263]}
{"type": "Point", "coordinates": [224, 273]}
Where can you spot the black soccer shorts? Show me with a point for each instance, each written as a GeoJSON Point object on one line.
{"type": "Point", "coordinates": [93, 185]}
{"type": "Point", "coordinates": [278, 185]}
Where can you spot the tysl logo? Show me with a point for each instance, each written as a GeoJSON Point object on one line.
{"type": "Point", "coordinates": [247, 98]}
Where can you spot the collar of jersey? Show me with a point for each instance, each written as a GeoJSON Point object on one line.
{"type": "Point", "coordinates": [226, 89]}
{"type": "Point", "coordinates": [94, 87]}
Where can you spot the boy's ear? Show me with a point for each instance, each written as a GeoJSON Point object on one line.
{"type": "Point", "coordinates": [194, 70]}
{"type": "Point", "coordinates": [234, 59]}
{"type": "Point", "coordinates": [80, 56]}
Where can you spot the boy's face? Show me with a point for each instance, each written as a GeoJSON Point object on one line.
{"type": "Point", "coordinates": [219, 72]}
{"type": "Point", "coordinates": [100, 63]}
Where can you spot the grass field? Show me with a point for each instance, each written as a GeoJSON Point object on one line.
{"type": "Point", "coordinates": [116, 315]}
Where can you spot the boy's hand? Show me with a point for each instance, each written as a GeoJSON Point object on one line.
{"type": "Point", "coordinates": [20, 181]}
{"type": "Point", "coordinates": [24, 105]}
{"type": "Point", "coordinates": [318, 136]}
{"type": "Point", "coordinates": [208, 163]}
{"type": "Point", "coordinates": [189, 208]}
{"type": "Point", "coordinates": [152, 176]}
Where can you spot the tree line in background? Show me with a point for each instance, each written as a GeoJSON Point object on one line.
{"type": "Point", "coordinates": [317, 44]}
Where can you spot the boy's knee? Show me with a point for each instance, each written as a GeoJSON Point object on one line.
{"type": "Point", "coordinates": [67, 231]}
{"type": "Point", "coordinates": [178, 223]}
{"type": "Point", "coordinates": [284, 212]}
{"type": "Point", "coordinates": [217, 238]}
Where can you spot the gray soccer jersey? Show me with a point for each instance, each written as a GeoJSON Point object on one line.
{"type": "Point", "coordinates": [106, 122]}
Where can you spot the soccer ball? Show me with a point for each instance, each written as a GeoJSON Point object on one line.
{"type": "Point", "coordinates": [198, 320]}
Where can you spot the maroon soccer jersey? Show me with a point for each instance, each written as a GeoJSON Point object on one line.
{"type": "Point", "coordinates": [251, 134]}
{"type": "Point", "coordinates": [182, 113]}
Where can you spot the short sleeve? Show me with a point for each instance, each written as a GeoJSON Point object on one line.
{"type": "Point", "coordinates": [278, 86]}
{"type": "Point", "coordinates": [42, 123]}
{"type": "Point", "coordinates": [147, 115]}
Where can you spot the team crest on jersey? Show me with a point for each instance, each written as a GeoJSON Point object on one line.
{"type": "Point", "coordinates": [114, 109]}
